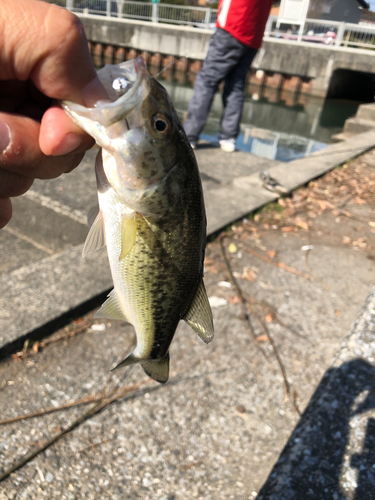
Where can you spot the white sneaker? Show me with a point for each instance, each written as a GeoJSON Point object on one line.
{"type": "Point", "coordinates": [228, 145]}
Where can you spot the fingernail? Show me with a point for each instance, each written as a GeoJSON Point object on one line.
{"type": "Point", "coordinates": [5, 136]}
{"type": "Point", "coordinates": [70, 142]}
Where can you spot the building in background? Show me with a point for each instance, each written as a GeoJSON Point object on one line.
{"type": "Point", "coordinates": [348, 11]}
{"type": "Point", "coordinates": [297, 11]}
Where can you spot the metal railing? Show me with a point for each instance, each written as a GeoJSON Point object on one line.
{"type": "Point", "coordinates": [326, 32]}
{"type": "Point", "coordinates": [200, 17]}
{"type": "Point", "coordinates": [313, 30]}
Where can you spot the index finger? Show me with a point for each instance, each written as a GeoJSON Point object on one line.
{"type": "Point", "coordinates": [53, 51]}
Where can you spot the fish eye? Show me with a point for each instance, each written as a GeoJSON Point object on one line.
{"type": "Point", "coordinates": [160, 123]}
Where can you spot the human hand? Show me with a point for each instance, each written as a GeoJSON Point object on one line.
{"type": "Point", "coordinates": [44, 56]}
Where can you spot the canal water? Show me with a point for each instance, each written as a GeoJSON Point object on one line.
{"type": "Point", "coordinates": [278, 126]}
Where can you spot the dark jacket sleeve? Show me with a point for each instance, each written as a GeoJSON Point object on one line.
{"type": "Point", "coordinates": [363, 4]}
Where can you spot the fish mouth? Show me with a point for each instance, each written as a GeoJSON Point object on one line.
{"type": "Point", "coordinates": [108, 112]}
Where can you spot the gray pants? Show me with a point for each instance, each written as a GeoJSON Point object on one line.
{"type": "Point", "coordinates": [229, 60]}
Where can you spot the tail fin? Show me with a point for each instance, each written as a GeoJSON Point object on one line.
{"type": "Point", "coordinates": [157, 369]}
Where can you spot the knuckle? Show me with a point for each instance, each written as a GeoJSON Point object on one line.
{"type": "Point", "coordinates": [70, 25]}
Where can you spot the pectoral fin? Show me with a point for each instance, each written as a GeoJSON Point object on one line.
{"type": "Point", "coordinates": [128, 234]}
{"type": "Point", "coordinates": [92, 214]}
{"type": "Point", "coordinates": [96, 237]}
{"type": "Point", "coordinates": [199, 316]}
{"type": "Point", "coordinates": [111, 309]}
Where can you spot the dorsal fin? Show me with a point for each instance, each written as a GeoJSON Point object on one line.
{"type": "Point", "coordinates": [199, 316]}
{"type": "Point", "coordinates": [111, 308]}
{"type": "Point", "coordinates": [128, 234]}
{"type": "Point", "coordinates": [96, 237]}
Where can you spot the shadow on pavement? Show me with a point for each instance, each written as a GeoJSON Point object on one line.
{"type": "Point", "coordinates": [331, 453]}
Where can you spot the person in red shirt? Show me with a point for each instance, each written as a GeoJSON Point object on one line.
{"type": "Point", "coordinates": [240, 28]}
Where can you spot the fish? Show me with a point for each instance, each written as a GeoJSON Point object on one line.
{"type": "Point", "coordinates": [151, 214]}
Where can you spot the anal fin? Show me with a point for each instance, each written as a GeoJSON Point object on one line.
{"type": "Point", "coordinates": [199, 316]}
{"type": "Point", "coordinates": [157, 369]}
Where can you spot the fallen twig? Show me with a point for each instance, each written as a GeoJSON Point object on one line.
{"type": "Point", "coordinates": [241, 297]}
{"type": "Point", "coordinates": [275, 350]}
{"type": "Point", "coordinates": [99, 405]}
{"type": "Point", "coordinates": [349, 214]}
{"type": "Point", "coordinates": [84, 401]}
{"type": "Point", "coordinates": [245, 303]}
{"type": "Point", "coordinates": [27, 458]}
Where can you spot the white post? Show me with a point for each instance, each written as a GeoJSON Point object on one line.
{"type": "Point", "coordinates": [268, 29]}
{"type": "Point", "coordinates": [208, 18]}
{"type": "Point", "coordinates": [303, 20]}
{"type": "Point", "coordinates": [340, 34]}
{"type": "Point", "coordinates": [108, 12]}
{"type": "Point", "coordinates": [155, 8]}
{"type": "Point", "coordinates": [69, 4]}
{"type": "Point", "coordinates": [120, 5]}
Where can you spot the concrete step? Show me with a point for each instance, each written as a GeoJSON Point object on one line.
{"type": "Point", "coordinates": [342, 136]}
{"type": "Point", "coordinates": [358, 125]}
{"type": "Point", "coordinates": [366, 112]}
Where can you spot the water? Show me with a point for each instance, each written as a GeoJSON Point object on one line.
{"type": "Point", "coordinates": [278, 126]}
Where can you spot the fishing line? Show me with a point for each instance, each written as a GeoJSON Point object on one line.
{"type": "Point", "coordinates": [169, 65]}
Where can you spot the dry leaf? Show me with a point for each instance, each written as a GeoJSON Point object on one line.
{"type": "Point", "coordinates": [232, 248]}
{"type": "Point", "coordinates": [263, 338]}
{"type": "Point", "coordinates": [346, 240]}
{"type": "Point", "coordinates": [286, 229]}
{"type": "Point", "coordinates": [361, 243]}
{"type": "Point", "coordinates": [248, 274]}
{"type": "Point", "coordinates": [241, 409]}
{"type": "Point", "coordinates": [234, 300]}
{"type": "Point", "coordinates": [301, 223]}
{"type": "Point", "coordinates": [36, 347]}
{"type": "Point", "coordinates": [269, 318]}
{"type": "Point", "coordinates": [359, 201]}
{"type": "Point", "coordinates": [337, 312]}
{"type": "Point", "coordinates": [323, 205]}
{"type": "Point", "coordinates": [271, 254]}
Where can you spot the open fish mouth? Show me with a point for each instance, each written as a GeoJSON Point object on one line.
{"type": "Point", "coordinates": [126, 86]}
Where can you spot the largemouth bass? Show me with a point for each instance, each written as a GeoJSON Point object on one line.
{"type": "Point", "coordinates": [151, 214]}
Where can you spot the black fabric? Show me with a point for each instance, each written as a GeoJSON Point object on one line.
{"type": "Point", "coordinates": [229, 60]}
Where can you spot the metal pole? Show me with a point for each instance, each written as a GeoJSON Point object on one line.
{"type": "Point", "coordinates": [268, 29]}
{"type": "Point", "coordinates": [155, 9]}
{"type": "Point", "coordinates": [108, 12]}
{"type": "Point", "coordinates": [69, 4]}
{"type": "Point", "coordinates": [303, 21]}
{"type": "Point", "coordinates": [340, 34]}
{"type": "Point", "coordinates": [208, 18]}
